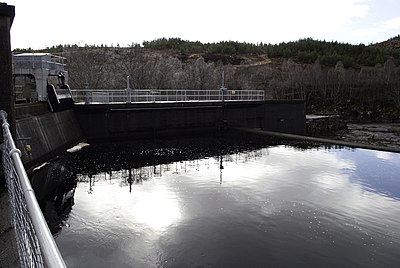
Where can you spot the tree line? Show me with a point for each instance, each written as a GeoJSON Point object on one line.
{"type": "Point", "coordinates": [363, 89]}
{"type": "Point", "coordinates": [302, 51]}
{"type": "Point", "coordinates": [369, 92]}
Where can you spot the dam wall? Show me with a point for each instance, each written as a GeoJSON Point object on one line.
{"type": "Point", "coordinates": [149, 120]}
{"type": "Point", "coordinates": [42, 136]}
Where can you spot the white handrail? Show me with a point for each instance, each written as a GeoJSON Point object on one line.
{"type": "Point", "coordinates": [48, 248]}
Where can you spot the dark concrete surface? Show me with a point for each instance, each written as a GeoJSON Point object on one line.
{"type": "Point", "coordinates": [105, 121]}
{"type": "Point", "coordinates": [8, 247]}
{"type": "Point", "coordinates": [46, 134]}
{"type": "Point", "coordinates": [7, 14]}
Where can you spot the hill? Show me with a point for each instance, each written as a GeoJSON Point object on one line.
{"type": "Point", "coordinates": [392, 43]}
{"type": "Point", "coordinates": [304, 51]}
{"type": "Point", "coordinates": [357, 81]}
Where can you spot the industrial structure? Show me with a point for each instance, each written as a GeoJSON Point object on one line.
{"type": "Point", "coordinates": [41, 77]}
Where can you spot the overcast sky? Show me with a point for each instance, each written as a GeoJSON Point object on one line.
{"type": "Point", "coordinates": [43, 23]}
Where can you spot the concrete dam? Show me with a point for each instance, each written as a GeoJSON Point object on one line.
{"type": "Point", "coordinates": [48, 133]}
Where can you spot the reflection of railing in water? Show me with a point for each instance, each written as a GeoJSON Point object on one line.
{"type": "Point", "coordinates": [36, 246]}
{"type": "Point", "coordinates": [128, 177]}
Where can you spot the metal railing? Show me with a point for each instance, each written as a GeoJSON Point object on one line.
{"type": "Point", "coordinates": [38, 60]}
{"type": "Point", "coordinates": [36, 246]}
{"type": "Point", "coordinates": [98, 96]}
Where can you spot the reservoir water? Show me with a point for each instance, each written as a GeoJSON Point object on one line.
{"type": "Point", "coordinates": [223, 202]}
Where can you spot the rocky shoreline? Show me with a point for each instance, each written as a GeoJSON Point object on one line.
{"type": "Point", "coordinates": [382, 134]}
{"type": "Point", "coordinates": [336, 128]}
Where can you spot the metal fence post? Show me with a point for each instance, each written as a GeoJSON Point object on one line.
{"type": "Point", "coordinates": [128, 89]}
{"type": "Point", "coordinates": [87, 101]}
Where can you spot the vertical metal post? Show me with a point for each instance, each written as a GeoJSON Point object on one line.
{"type": "Point", "coordinates": [87, 93]}
{"type": "Point", "coordinates": [7, 97]}
{"type": "Point", "coordinates": [128, 89]}
{"type": "Point", "coordinates": [223, 88]}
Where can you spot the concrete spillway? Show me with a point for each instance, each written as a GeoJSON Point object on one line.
{"type": "Point", "coordinates": [105, 121]}
{"type": "Point", "coordinates": [49, 132]}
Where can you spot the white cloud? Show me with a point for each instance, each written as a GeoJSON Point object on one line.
{"type": "Point", "coordinates": [392, 24]}
{"type": "Point", "coordinates": [378, 31]}
{"type": "Point", "coordinates": [45, 23]}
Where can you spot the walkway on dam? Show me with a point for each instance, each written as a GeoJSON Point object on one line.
{"type": "Point", "coordinates": [101, 96]}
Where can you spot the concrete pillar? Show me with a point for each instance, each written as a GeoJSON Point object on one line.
{"type": "Point", "coordinates": [7, 98]}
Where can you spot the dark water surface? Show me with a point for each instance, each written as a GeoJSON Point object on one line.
{"type": "Point", "coordinates": [224, 205]}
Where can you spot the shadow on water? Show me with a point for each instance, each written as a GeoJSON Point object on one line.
{"type": "Point", "coordinates": [54, 186]}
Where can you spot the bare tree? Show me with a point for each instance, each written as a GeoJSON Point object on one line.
{"type": "Point", "coordinates": [87, 65]}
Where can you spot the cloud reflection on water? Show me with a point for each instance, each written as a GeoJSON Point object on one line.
{"type": "Point", "coordinates": [157, 208]}
{"type": "Point", "coordinates": [317, 176]}
{"type": "Point", "coordinates": [302, 195]}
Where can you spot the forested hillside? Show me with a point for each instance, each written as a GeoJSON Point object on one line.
{"type": "Point", "coordinates": [357, 81]}
{"type": "Point", "coordinates": [303, 51]}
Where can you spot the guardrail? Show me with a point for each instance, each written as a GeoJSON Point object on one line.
{"type": "Point", "coordinates": [98, 96]}
{"type": "Point", "coordinates": [38, 60]}
{"type": "Point", "coordinates": [36, 246]}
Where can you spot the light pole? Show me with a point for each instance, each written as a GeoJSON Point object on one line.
{"type": "Point", "coordinates": [223, 88]}
{"type": "Point", "coordinates": [128, 89]}
{"type": "Point", "coordinates": [87, 93]}
{"type": "Point", "coordinates": [223, 91]}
